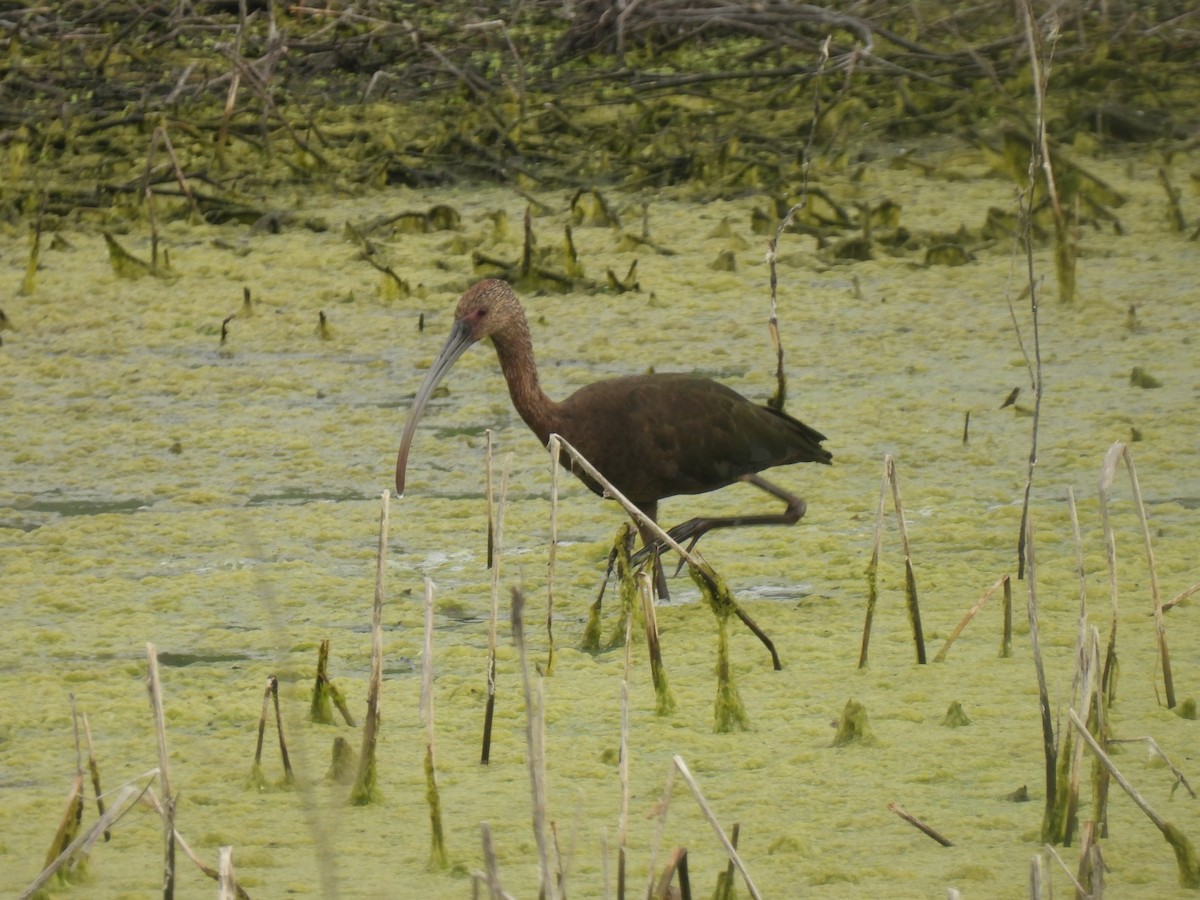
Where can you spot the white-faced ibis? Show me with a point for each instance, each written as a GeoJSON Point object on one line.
{"type": "Point", "coordinates": [652, 436]}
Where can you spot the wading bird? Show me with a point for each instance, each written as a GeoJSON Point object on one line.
{"type": "Point", "coordinates": [651, 436]}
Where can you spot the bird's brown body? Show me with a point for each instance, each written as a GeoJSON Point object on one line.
{"type": "Point", "coordinates": [656, 436]}
{"type": "Point", "coordinates": [652, 436]}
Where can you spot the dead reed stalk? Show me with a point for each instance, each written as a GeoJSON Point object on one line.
{"type": "Point", "coordinates": [730, 850]}
{"type": "Point", "coordinates": [495, 543]}
{"type": "Point", "coordinates": [623, 766]}
{"type": "Point", "coordinates": [1049, 744]}
{"type": "Point", "coordinates": [437, 854]}
{"type": "Point", "coordinates": [664, 699]}
{"type": "Point", "coordinates": [1185, 853]}
{"type": "Point", "coordinates": [1002, 582]}
{"type": "Point", "coordinates": [257, 779]}
{"type": "Point", "coordinates": [535, 741]}
{"type": "Point", "coordinates": [1117, 452]}
{"type": "Point", "coordinates": [125, 800]}
{"type": "Point", "coordinates": [916, 823]}
{"type": "Point", "coordinates": [910, 580]}
{"type": "Point", "coordinates": [366, 788]}
{"type": "Point", "coordinates": [554, 470]}
{"type": "Point", "coordinates": [160, 730]}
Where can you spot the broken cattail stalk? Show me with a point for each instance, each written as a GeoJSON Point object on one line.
{"type": "Point", "coordinates": [68, 830]}
{"type": "Point", "coordinates": [491, 521]}
{"type": "Point", "coordinates": [554, 468]}
{"type": "Point", "coordinates": [535, 749]}
{"type": "Point", "coordinates": [1181, 596]}
{"type": "Point", "coordinates": [437, 854]}
{"type": "Point", "coordinates": [288, 776]}
{"type": "Point", "coordinates": [1049, 745]}
{"type": "Point", "coordinates": [94, 771]}
{"type": "Point", "coordinates": [919, 825]}
{"type": "Point", "coordinates": [1152, 746]}
{"type": "Point", "coordinates": [320, 710]}
{"type": "Point", "coordinates": [214, 873]}
{"type": "Point", "coordinates": [366, 788]}
{"type": "Point", "coordinates": [910, 581]}
{"type": "Point", "coordinates": [156, 707]}
{"type": "Point", "coordinates": [1001, 582]}
{"type": "Point", "coordinates": [729, 713]}
{"type": "Point", "coordinates": [67, 853]}
{"type": "Point", "coordinates": [730, 851]}
{"type": "Point", "coordinates": [225, 881]}
{"type": "Point", "coordinates": [1115, 453]}
{"type": "Point", "coordinates": [873, 574]}
{"type": "Point", "coordinates": [1006, 638]}
{"type": "Point", "coordinates": [677, 864]}
{"type": "Point", "coordinates": [663, 807]}
{"type": "Point", "coordinates": [257, 779]}
{"type": "Point", "coordinates": [664, 699]}
{"type": "Point", "coordinates": [724, 889]}
{"type": "Point", "coordinates": [623, 765]}
{"type": "Point", "coordinates": [491, 869]}
{"type": "Point", "coordinates": [160, 728]}
{"type": "Point", "coordinates": [1185, 853]}
{"type": "Point", "coordinates": [496, 544]}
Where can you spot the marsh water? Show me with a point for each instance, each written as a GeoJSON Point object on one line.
{"type": "Point", "coordinates": [222, 503]}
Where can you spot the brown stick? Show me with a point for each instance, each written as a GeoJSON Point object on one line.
{"type": "Point", "coordinates": [496, 544]}
{"type": "Point", "coordinates": [716, 826]}
{"type": "Point", "coordinates": [1001, 582]}
{"type": "Point", "coordinates": [365, 788]}
{"type": "Point", "coordinates": [918, 824]}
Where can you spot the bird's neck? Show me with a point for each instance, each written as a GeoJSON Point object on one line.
{"type": "Point", "coordinates": [515, 350]}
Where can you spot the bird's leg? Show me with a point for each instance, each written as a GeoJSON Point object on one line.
{"type": "Point", "coordinates": [651, 544]}
{"type": "Point", "coordinates": [694, 529]}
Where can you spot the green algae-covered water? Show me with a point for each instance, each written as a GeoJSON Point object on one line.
{"type": "Point", "coordinates": [221, 502]}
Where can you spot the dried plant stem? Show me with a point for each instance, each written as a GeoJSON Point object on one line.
{"type": "Point", "coordinates": [1152, 745]}
{"type": "Point", "coordinates": [554, 470]}
{"type": "Point", "coordinates": [491, 869]}
{"type": "Point", "coordinates": [730, 851]}
{"type": "Point", "coordinates": [366, 788]}
{"type": "Point", "coordinates": [535, 749]}
{"type": "Point", "coordinates": [919, 825]}
{"type": "Point", "coordinates": [94, 771]}
{"type": "Point", "coordinates": [496, 544]}
{"type": "Point", "coordinates": [225, 880]}
{"type": "Point", "coordinates": [152, 800]}
{"type": "Point", "coordinates": [664, 699]}
{"type": "Point", "coordinates": [437, 854]}
{"type": "Point", "coordinates": [160, 729]}
{"type": "Point", "coordinates": [623, 766]}
{"type": "Point", "coordinates": [1119, 451]}
{"type": "Point", "coordinates": [910, 581]}
{"type": "Point", "coordinates": [1001, 582]}
{"type": "Point", "coordinates": [664, 806]}
{"type": "Point", "coordinates": [1049, 744]}
{"type": "Point", "coordinates": [125, 799]}
{"type": "Point", "coordinates": [1185, 853]}
{"type": "Point", "coordinates": [780, 396]}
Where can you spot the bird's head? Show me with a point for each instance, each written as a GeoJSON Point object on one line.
{"type": "Point", "coordinates": [487, 309]}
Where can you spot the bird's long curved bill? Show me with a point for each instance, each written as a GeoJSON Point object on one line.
{"type": "Point", "coordinates": [456, 344]}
